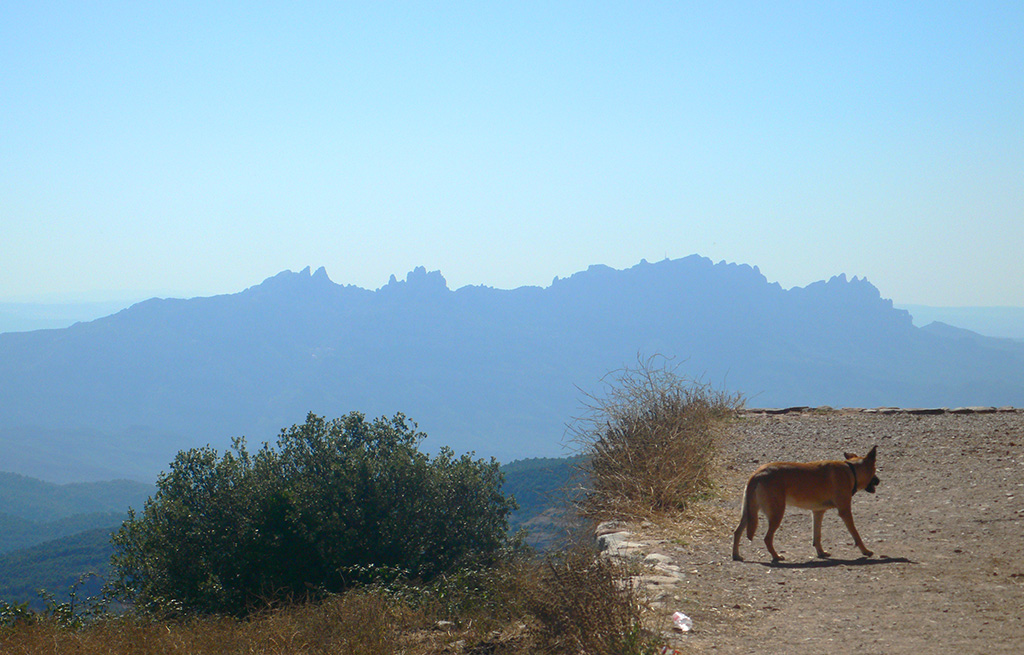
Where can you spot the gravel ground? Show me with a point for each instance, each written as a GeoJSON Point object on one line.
{"type": "Point", "coordinates": [946, 526]}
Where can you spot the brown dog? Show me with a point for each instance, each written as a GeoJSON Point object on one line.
{"type": "Point", "coordinates": [817, 486]}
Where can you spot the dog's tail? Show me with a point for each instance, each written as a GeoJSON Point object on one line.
{"type": "Point", "coordinates": [748, 518]}
{"type": "Point", "coordinates": [749, 510]}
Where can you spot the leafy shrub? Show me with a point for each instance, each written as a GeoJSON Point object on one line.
{"type": "Point", "coordinates": [649, 443]}
{"type": "Point", "coordinates": [336, 504]}
{"type": "Point", "coordinates": [11, 614]}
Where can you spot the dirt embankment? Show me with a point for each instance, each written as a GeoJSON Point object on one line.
{"type": "Point", "coordinates": [946, 526]}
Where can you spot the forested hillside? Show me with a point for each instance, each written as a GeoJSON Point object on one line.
{"type": "Point", "coordinates": [43, 502]}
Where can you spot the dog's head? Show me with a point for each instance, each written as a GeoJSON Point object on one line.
{"type": "Point", "coordinates": [866, 466]}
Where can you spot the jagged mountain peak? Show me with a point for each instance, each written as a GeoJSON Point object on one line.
{"type": "Point", "coordinates": [418, 280]}
{"type": "Point", "coordinates": [288, 279]}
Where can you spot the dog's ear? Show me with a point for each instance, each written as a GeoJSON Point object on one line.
{"type": "Point", "coordinates": [871, 456]}
{"type": "Point", "coordinates": [849, 456]}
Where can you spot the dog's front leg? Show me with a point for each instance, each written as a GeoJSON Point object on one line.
{"type": "Point", "coordinates": [847, 515]}
{"type": "Point", "coordinates": [819, 514]}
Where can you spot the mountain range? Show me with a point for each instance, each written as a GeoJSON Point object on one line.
{"type": "Point", "coordinates": [498, 372]}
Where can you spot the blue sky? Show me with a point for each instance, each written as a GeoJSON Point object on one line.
{"type": "Point", "coordinates": [188, 148]}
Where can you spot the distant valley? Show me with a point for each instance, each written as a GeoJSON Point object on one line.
{"type": "Point", "coordinates": [53, 534]}
{"type": "Point", "coordinates": [35, 511]}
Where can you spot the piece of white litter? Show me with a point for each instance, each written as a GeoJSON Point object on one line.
{"type": "Point", "coordinates": [682, 622]}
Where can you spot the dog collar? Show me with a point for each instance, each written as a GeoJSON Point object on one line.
{"type": "Point", "coordinates": [854, 471]}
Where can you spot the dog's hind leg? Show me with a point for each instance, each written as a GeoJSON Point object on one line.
{"type": "Point", "coordinates": [818, 516]}
{"type": "Point", "coordinates": [774, 512]}
{"type": "Point", "coordinates": [736, 537]}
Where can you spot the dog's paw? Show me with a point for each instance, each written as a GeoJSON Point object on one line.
{"type": "Point", "coordinates": [824, 554]}
{"type": "Point", "coordinates": [736, 557]}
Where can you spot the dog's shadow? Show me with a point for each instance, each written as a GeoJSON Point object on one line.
{"type": "Point", "coordinates": [831, 562]}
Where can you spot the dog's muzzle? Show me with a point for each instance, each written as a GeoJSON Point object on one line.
{"type": "Point", "coordinates": [871, 485]}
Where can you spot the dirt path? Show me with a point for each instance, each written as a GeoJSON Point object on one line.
{"type": "Point", "coordinates": [946, 525]}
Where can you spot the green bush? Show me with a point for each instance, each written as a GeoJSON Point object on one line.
{"type": "Point", "coordinates": [336, 504]}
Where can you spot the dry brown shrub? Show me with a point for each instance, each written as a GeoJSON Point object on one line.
{"type": "Point", "coordinates": [355, 623]}
{"type": "Point", "coordinates": [582, 602]}
{"type": "Point", "coordinates": [650, 442]}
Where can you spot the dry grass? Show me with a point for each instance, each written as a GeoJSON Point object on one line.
{"type": "Point", "coordinates": [354, 624]}
{"type": "Point", "coordinates": [650, 443]}
{"type": "Point", "coordinates": [571, 602]}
